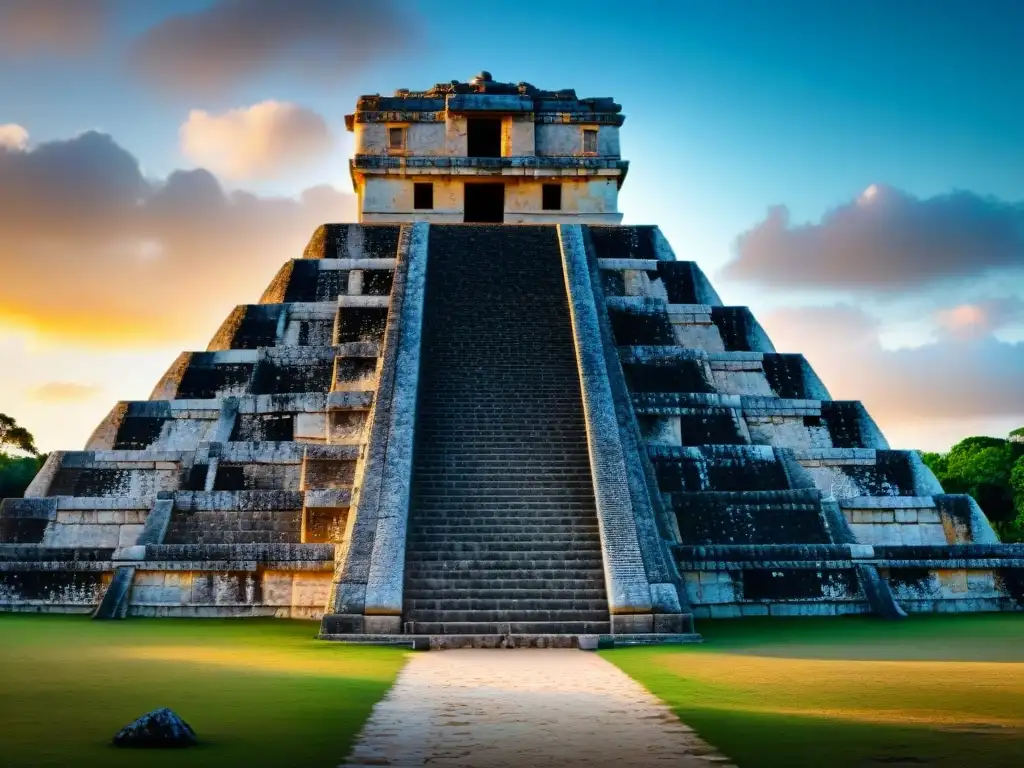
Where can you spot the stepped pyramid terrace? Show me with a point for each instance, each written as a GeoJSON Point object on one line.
{"type": "Point", "coordinates": [488, 413]}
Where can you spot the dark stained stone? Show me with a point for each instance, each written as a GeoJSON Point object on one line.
{"type": "Point", "coordinates": [161, 729]}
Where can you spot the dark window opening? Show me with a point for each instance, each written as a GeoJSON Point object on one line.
{"type": "Point", "coordinates": [362, 324]}
{"type": "Point", "coordinates": [256, 427]}
{"type": "Point", "coordinates": [396, 138]}
{"type": "Point", "coordinates": [812, 421]}
{"type": "Point", "coordinates": [485, 203]}
{"type": "Point", "coordinates": [423, 196]}
{"type": "Point", "coordinates": [484, 137]}
{"type": "Point", "coordinates": [377, 282]}
{"type": "Point", "coordinates": [551, 197]}
{"type": "Point", "coordinates": [589, 141]}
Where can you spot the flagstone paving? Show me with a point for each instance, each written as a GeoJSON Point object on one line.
{"type": "Point", "coordinates": [524, 707]}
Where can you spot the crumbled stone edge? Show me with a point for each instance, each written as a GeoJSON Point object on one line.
{"type": "Point", "coordinates": [353, 561]}
{"type": "Point", "coordinates": [387, 563]}
{"type": "Point", "coordinates": [656, 526]}
{"type": "Point", "coordinates": [629, 591]}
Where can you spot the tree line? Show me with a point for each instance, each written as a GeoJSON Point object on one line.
{"type": "Point", "coordinates": [991, 469]}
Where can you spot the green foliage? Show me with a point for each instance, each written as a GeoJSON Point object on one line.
{"type": "Point", "coordinates": [13, 436]}
{"type": "Point", "coordinates": [937, 462]}
{"type": "Point", "coordinates": [991, 470]}
{"type": "Point", "coordinates": [16, 471]}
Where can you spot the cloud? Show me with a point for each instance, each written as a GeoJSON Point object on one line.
{"type": "Point", "coordinates": [260, 141]}
{"type": "Point", "coordinates": [63, 392]}
{"type": "Point", "coordinates": [13, 137]}
{"type": "Point", "coordinates": [885, 241]}
{"type": "Point", "coordinates": [94, 253]}
{"type": "Point", "coordinates": [973, 377]}
{"type": "Point", "coordinates": [56, 27]}
{"type": "Point", "coordinates": [969, 321]}
{"type": "Point", "coordinates": [232, 40]}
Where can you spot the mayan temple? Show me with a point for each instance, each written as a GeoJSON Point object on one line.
{"type": "Point", "coordinates": [488, 413]}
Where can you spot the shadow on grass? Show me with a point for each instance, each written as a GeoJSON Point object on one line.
{"type": "Point", "coordinates": [787, 741]}
{"type": "Point", "coordinates": [257, 692]}
{"type": "Point", "coordinates": [940, 691]}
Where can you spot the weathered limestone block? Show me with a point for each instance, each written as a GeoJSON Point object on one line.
{"type": "Point", "coordinates": [662, 430]}
{"type": "Point", "coordinates": [348, 427]}
{"type": "Point", "coordinates": [311, 427]}
{"type": "Point", "coordinates": [639, 282]}
{"type": "Point", "coordinates": [788, 432]}
{"type": "Point", "coordinates": [749, 381]}
{"type": "Point", "coordinates": [698, 336]}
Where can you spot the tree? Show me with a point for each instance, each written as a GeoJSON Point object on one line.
{"type": "Point", "coordinates": [13, 436]}
{"type": "Point", "coordinates": [1017, 486]}
{"type": "Point", "coordinates": [990, 469]}
{"type": "Point", "coordinates": [16, 471]}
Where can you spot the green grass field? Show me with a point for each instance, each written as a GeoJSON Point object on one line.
{"type": "Point", "coordinates": [934, 691]}
{"type": "Point", "coordinates": [257, 692]}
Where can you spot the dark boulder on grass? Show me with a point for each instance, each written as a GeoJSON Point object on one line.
{"type": "Point", "coordinates": [161, 728]}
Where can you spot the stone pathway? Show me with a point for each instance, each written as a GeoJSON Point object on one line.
{"type": "Point", "coordinates": [526, 707]}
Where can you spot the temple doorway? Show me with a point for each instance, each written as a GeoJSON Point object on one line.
{"type": "Point", "coordinates": [485, 203]}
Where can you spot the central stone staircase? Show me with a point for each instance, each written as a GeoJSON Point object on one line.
{"type": "Point", "coordinates": [503, 535]}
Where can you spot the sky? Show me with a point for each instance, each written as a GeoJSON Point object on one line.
{"type": "Point", "coordinates": [852, 171]}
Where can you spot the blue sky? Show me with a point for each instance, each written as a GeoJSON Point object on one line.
{"type": "Point", "coordinates": [732, 107]}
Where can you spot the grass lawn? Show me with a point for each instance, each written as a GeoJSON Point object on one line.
{"type": "Point", "coordinates": [931, 690]}
{"type": "Point", "coordinates": [257, 692]}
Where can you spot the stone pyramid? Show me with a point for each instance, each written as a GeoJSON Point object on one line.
{"type": "Point", "coordinates": [386, 443]}
{"type": "Point", "coordinates": [526, 428]}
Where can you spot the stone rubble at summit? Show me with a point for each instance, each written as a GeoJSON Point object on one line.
{"type": "Point", "coordinates": [490, 412]}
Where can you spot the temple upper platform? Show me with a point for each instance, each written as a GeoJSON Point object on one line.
{"type": "Point", "coordinates": [487, 152]}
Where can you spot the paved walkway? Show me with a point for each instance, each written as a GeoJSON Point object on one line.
{"type": "Point", "coordinates": [519, 708]}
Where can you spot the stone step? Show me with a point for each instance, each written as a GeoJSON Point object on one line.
{"type": "Point", "coordinates": [449, 449]}
{"type": "Point", "coordinates": [482, 568]}
{"type": "Point", "coordinates": [511, 478]}
{"type": "Point", "coordinates": [467, 511]}
{"type": "Point", "coordinates": [503, 524]}
{"type": "Point", "coordinates": [424, 488]}
{"type": "Point", "coordinates": [456, 555]}
{"type": "Point", "coordinates": [526, 497]}
{"type": "Point", "coordinates": [480, 578]}
{"type": "Point", "coordinates": [553, 614]}
{"type": "Point", "coordinates": [508, 581]}
{"type": "Point", "coordinates": [474, 602]}
{"type": "Point", "coordinates": [439, 591]}
{"type": "Point", "coordinates": [500, 467]}
{"type": "Point", "coordinates": [502, 520]}
{"type": "Point", "coordinates": [514, 627]}
{"type": "Point", "coordinates": [554, 539]}
{"type": "Point", "coordinates": [507, 527]}
{"type": "Point", "coordinates": [504, 467]}
{"type": "Point", "coordinates": [563, 534]}
{"type": "Point", "coordinates": [506, 558]}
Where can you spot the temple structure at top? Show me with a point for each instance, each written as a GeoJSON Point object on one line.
{"type": "Point", "coordinates": [487, 152]}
